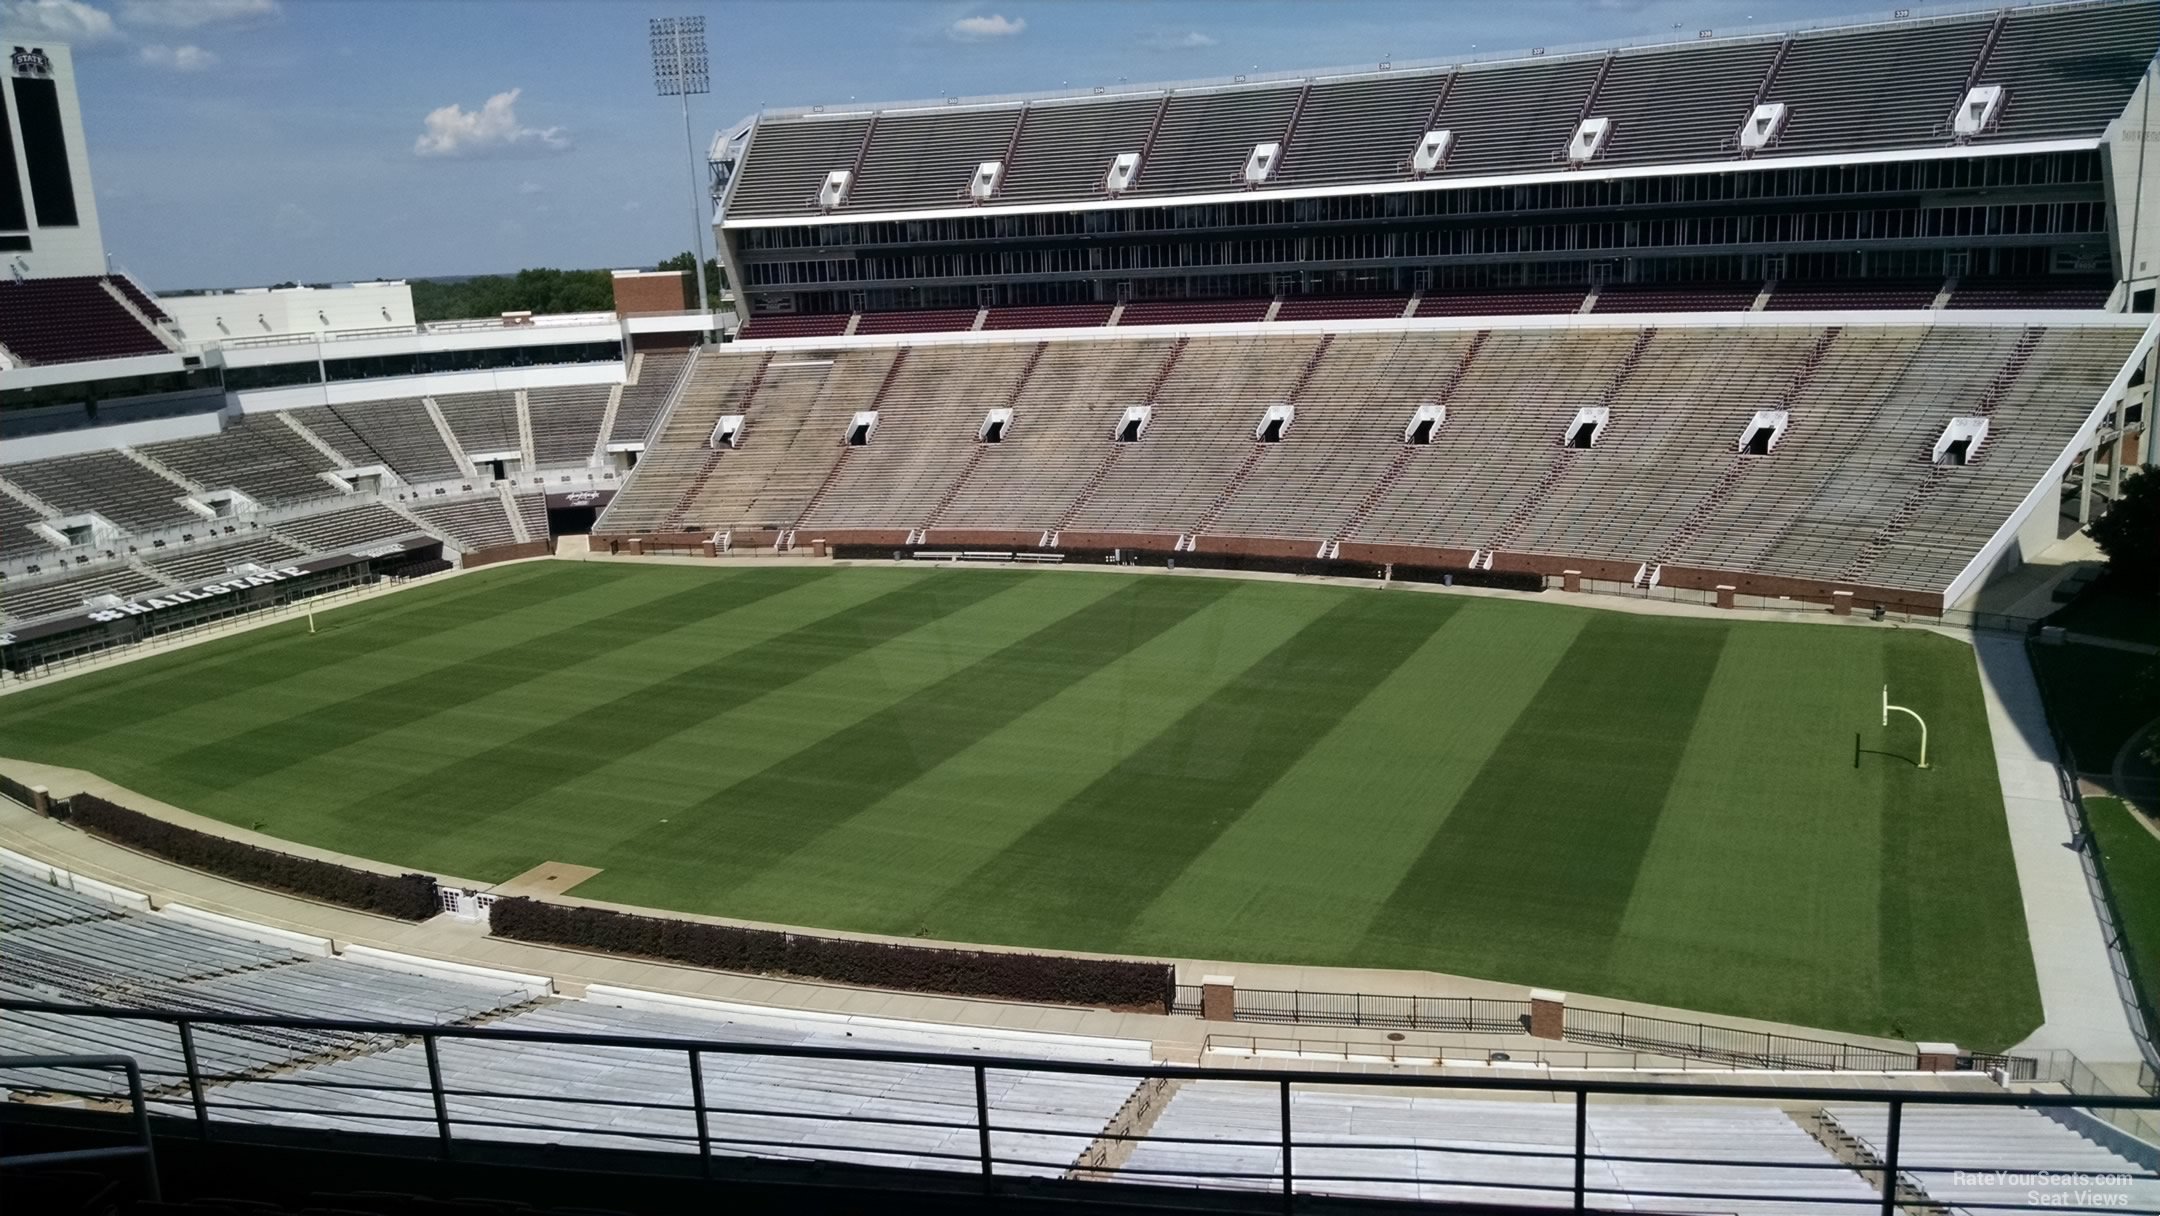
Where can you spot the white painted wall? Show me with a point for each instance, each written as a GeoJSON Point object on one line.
{"type": "Point", "coordinates": [55, 252]}
{"type": "Point", "coordinates": [2133, 166]}
{"type": "Point", "coordinates": [19, 449]}
{"type": "Point", "coordinates": [300, 396]}
{"type": "Point", "coordinates": [263, 312]}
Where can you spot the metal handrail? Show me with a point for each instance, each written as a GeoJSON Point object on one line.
{"type": "Point", "coordinates": [438, 1114]}
{"type": "Point", "coordinates": [139, 1110]}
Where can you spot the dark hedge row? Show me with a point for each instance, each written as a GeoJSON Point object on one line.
{"type": "Point", "coordinates": [1041, 978]}
{"type": "Point", "coordinates": [16, 790]}
{"type": "Point", "coordinates": [407, 896]}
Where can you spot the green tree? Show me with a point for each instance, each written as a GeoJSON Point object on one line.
{"type": "Point", "coordinates": [540, 290]}
{"type": "Point", "coordinates": [2130, 536]}
{"type": "Point", "coordinates": [714, 280]}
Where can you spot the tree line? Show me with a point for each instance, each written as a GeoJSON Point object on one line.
{"type": "Point", "coordinates": [539, 290]}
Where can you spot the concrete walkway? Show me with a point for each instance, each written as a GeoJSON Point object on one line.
{"type": "Point", "coordinates": [2083, 1008]}
{"type": "Point", "coordinates": [573, 971]}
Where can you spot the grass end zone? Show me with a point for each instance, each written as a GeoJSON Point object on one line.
{"type": "Point", "coordinates": [1664, 809]}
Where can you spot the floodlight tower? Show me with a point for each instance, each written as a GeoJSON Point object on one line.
{"type": "Point", "coordinates": [681, 69]}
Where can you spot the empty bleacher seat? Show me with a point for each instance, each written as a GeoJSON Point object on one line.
{"type": "Point", "coordinates": [923, 321]}
{"type": "Point", "coordinates": [121, 490]}
{"type": "Point", "coordinates": [1341, 308]}
{"type": "Point", "coordinates": [1515, 302]}
{"type": "Point", "coordinates": [1048, 316]}
{"type": "Point", "coordinates": [66, 320]}
{"type": "Point", "coordinates": [566, 423]}
{"type": "Point", "coordinates": [1191, 312]}
{"type": "Point", "coordinates": [787, 325]}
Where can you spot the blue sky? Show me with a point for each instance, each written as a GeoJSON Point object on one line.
{"type": "Point", "coordinates": [239, 142]}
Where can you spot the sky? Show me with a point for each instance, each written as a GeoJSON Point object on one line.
{"type": "Point", "coordinates": [244, 142]}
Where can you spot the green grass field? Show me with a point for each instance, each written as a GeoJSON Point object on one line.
{"type": "Point", "coordinates": [2130, 859]}
{"type": "Point", "coordinates": [1645, 807]}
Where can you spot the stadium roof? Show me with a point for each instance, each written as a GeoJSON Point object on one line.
{"type": "Point", "coordinates": [2064, 71]}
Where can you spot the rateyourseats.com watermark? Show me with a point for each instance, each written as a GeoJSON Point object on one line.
{"type": "Point", "coordinates": [2052, 1188]}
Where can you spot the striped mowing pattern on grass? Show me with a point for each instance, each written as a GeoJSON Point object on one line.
{"type": "Point", "coordinates": [1654, 808]}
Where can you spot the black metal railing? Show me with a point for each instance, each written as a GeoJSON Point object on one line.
{"type": "Point", "coordinates": [724, 1121]}
{"type": "Point", "coordinates": [1288, 1008]}
{"type": "Point", "coordinates": [143, 1150]}
{"type": "Point", "coordinates": [1604, 1028]}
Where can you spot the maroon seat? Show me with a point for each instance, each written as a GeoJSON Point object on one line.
{"type": "Point", "coordinates": [1677, 297]}
{"type": "Point", "coordinates": [2061, 291]}
{"type": "Point", "coordinates": [928, 321]}
{"type": "Point", "coordinates": [1048, 316]}
{"type": "Point", "coordinates": [1192, 312]}
{"type": "Point", "coordinates": [790, 325]}
{"type": "Point", "coordinates": [1520, 302]}
{"type": "Point", "coordinates": [68, 320]}
{"type": "Point", "coordinates": [1340, 308]}
{"type": "Point", "coordinates": [140, 299]}
{"type": "Point", "coordinates": [1859, 295]}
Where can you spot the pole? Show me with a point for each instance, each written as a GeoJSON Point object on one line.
{"type": "Point", "coordinates": [697, 212]}
{"type": "Point", "coordinates": [1887, 709]}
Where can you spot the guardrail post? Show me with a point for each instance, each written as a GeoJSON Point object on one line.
{"type": "Point", "coordinates": [1289, 1177]}
{"type": "Point", "coordinates": [194, 1080]}
{"type": "Point", "coordinates": [152, 1189]}
{"type": "Point", "coordinates": [1890, 1159]}
{"type": "Point", "coordinates": [435, 1087]}
{"type": "Point", "coordinates": [982, 1124]}
{"type": "Point", "coordinates": [1582, 1141]}
{"type": "Point", "coordinates": [697, 1098]}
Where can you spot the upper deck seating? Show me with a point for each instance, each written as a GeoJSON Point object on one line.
{"type": "Point", "coordinates": [67, 320]}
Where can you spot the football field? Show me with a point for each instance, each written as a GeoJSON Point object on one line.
{"type": "Point", "coordinates": [1648, 807]}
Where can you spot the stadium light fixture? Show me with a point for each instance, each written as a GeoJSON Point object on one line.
{"type": "Point", "coordinates": [682, 70]}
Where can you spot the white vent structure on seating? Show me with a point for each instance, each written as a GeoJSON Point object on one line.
{"type": "Point", "coordinates": [861, 427]}
{"type": "Point", "coordinates": [1588, 427]}
{"type": "Point", "coordinates": [1124, 167]}
{"type": "Point", "coordinates": [996, 425]}
{"type": "Point", "coordinates": [1133, 424]}
{"type": "Point", "coordinates": [726, 433]}
{"type": "Point", "coordinates": [1432, 151]}
{"type": "Point", "coordinates": [1762, 126]}
{"type": "Point", "coordinates": [1761, 435]}
{"type": "Point", "coordinates": [988, 176]}
{"type": "Point", "coordinates": [1424, 424]}
{"type": "Point", "coordinates": [1589, 139]}
{"type": "Point", "coordinates": [1261, 161]}
{"type": "Point", "coordinates": [1960, 441]}
{"type": "Point", "coordinates": [1982, 102]}
{"type": "Point", "coordinates": [1274, 424]}
{"type": "Point", "coordinates": [834, 191]}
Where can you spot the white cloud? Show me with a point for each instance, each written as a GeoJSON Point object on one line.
{"type": "Point", "coordinates": [531, 188]}
{"type": "Point", "coordinates": [184, 58]}
{"type": "Point", "coordinates": [193, 14]}
{"type": "Point", "coordinates": [633, 205]}
{"type": "Point", "coordinates": [491, 130]}
{"type": "Point", "coordinates": [61, 20]}
{"type": "Point", "coordinates": [1190, 40]}
{"type": "Point", "coordinates": [995, 25]}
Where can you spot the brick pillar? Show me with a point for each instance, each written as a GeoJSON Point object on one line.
{"type": "Point", "coordinates": [1938, 1057]}
{"type": "Point", "coordinates": [1725, 595]}
{"type": "Point", "coordinates": [1571, 580]}
{"type": "Point", "coordinates": [1548, 1014]}
{"type": "Point", "coordinates": [1841, 603]}
{"type": "Point", "coordinates": [817, 547]}
{"type": "Point", "coordinates": [707, 549]}
{"type": "Point", "coordinates": [636, 546]}
{"type": "Point", "coordinates": [41, 800]}
{"type": "Point", "coordinates": [1218, 998]}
